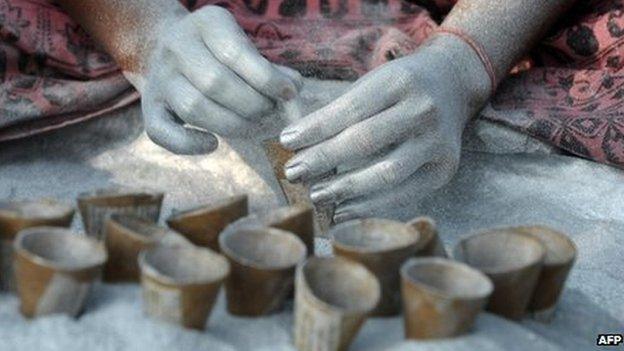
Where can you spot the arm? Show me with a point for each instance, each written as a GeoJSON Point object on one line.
{"type": "Point", "coordinates": [401, 124]}
{"type": "Point", "coordinates": [197, 73]}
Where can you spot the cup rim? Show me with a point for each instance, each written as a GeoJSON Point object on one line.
{"type": "Point", "coordinates": [231, 254]}
{"type": "Point", "coordinates": [571, 249]}
{"type": "Point", "coordinates": [97, 246]}
{"type": "Point", "coordinates": [199, 210]}
{"type": "Point", "coordinates": [301, 275]}
{"type": "Point", "coordinates": [440, 261]}
{"type": "Point", "coordinates": [336, 230]}
{"type": "Point", "coordinates": [458, 253]}
{"type": "Point", "coordinates": [115, 193]}
{"type": "Point", "coordinates": [135, 234]}
{"type": "Point", "coordinates": [153, 272]}
{"type": "Point", "coordinates": [62, 209]}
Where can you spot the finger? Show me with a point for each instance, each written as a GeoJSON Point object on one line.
{"type": "Point", "coordinates": [296, 77]}
{"type": "Point", "coordinates": [164, 131]}
{"type": "Point", "coordinates": [229, 44]}
{"type": "Point", "coordinates": [191, 106]}
{"type": "Point", "coordinates": [427, 179]}
{"type": "Point", "coordinates": [383, 174]}
{"type": "Point", "coordinates": [354, 143]}
{"type": "Point", "coordinates": [220, 84]}
{"type": "Point", "coordinates": [354, 106]}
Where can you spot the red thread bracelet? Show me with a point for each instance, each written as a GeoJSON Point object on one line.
{"type": "Point", "coordinates": [477, 48]}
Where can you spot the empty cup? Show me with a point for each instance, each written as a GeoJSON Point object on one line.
{"type": "Point", "coordinates": [263, 264]}
{"type": "Point", "coordinates": [202, 225]}
{"type": "Point", "coordinates": [560, 257]}
{"type": "Point", "coordinates": [333, 298]}
{"type": "Point", "coordinates": [55, 269]}
{"type": "Point", "coordinates": [512, 260]}
{"type": "Point", "coordinates": [429, 243]}
{"type": "Point", "coordinates": [97, 206]}
{"type": "Point", "coordinates": [297, 219]}
{"type": "Point", "coordinates": [441, 298]}
{"type": "Point", "coordinates": [18, 215]}
{"type": "Point", "coordinates": [382, 246]}
{"type": "Point", "coordinates": [181, 284]}
{"type": "Point", "coordinates": [125, 237]}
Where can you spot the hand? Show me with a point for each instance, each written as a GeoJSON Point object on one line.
{"type": "Point", "coordinates": [401, 124]}
{"type": "Point", "coordinates": [205, 76]}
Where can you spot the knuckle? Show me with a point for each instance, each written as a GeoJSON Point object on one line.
{"type": "Point", "coordinates": [389, 172]}
{"type": "Point", "coordinates": [212, 13]}
{"type": "Point", "coordinates": [229, 54]}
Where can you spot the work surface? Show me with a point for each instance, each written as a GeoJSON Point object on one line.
{"type": "Point", "coordinates": [504, 179]}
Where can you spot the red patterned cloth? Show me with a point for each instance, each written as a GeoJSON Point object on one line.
{"type": "Point", "coordinates": [52, 74]}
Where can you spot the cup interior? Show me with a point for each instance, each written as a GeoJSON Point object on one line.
{"type": "Point", "coordinates": [35, 209]}
{"type": "Point", "coordinates": [447, 278]}
{"type": "Point", "coordinates": [341, 283]}
{"type": "Point", "coordinates": [500, 251]}
{"type": "Point", "coordinates": [60, 248]}
{"type": "Point", "coordinates": [373, 235]}
{"type": "Point", "coordinates": [140, 227]}
{"type": "Point", "coordinates": [264, 248]}
{"type": "Point", "coordinates": [559, 248]}
{"type": "Point", "coordinates": [184, 265]}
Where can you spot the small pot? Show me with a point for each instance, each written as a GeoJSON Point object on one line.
{"type": "Point", "coordinates": [125, 237]}
{"type": "Point", "coordinates": [97, 206]}
{"type": "Point", "coordinates": [333, 298]}
{"type": "Point", "coordinates": [382, 246]}
{"type": "Point", "coordinates": [202, 225]}
{"type": "Point", "coordinates": [441, 298]}
{"type": "Point", "coordinates": [512, 260]}
{"type": "Point", "coordinates": [560, 257]}
{"type": "Point", "coordinates": [55, 269]}
{"type": "Point", "coordinates": [429, 243]}
{"type": "Point", "coordinates": [263, 264]}
{"type": "Point", "coordinates": [181, 284]}
{"type": "Point", "coordinates": [19, 215]}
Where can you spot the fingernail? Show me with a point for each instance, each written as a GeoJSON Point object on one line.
{"type": "Point", "coordinates": [295, 171]}
{"type": "Point", "coordinates": [343, 216]}
{"type": "Point", "coordinates": [288, 136]}
{"type": "Point", "coordinates": [321, 195]}
{"type": "Point", "coordinates": [288, 93]}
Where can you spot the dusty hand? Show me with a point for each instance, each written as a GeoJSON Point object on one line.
{"type": "Point", "coordinates": [401, 124]}
{"type": "Point", "coordinates": [205, 77]}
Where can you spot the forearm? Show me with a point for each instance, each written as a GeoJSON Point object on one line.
{"type": "Point", "coordinates": [126, 29]}
{"type": "Point", "coordinates": [506, 29]}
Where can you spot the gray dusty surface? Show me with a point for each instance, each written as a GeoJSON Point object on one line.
{"type": "Point", "coordinates": [505, 179]}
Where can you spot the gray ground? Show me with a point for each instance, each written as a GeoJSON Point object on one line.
{"type": "Point", "coordinates": [505, 179]}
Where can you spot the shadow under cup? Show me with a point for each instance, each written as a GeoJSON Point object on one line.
{"type": "Point", "coordinates": [512, 260]}
{"type": "Point", "coordinates": [441, 298]}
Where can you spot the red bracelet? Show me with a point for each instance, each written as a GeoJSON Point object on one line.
{"type": "Point", "coordinates": [477, 48]}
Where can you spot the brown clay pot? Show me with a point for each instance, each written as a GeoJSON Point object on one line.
{"type": "Point", "coordinates": [125, 237]}
{"type": "Point", "coordinates": [382, 246]}
{"type": "Point", "coordinates": [429, 243]}
{"type": "Point", "coordinates": [181, 284]}
{"type": "Point", "coordinates": [55, 269]}
{"type": "Point", "coordinates": [333, 298]}
{"type": "Point", "coordinates": [97, 206]}
{"type": "Point", "coordinates": [202, 225]}
{"type": "Point", "coordinates": [19, 215]}
{"type": "Point", "coordinates": [263, 264]}
{"type": "Point", "coordinates": [560, 257]}
{"type": "Point", "coordinates": [512, 260]}
{"type": "Point", "coordinates": [441, 298]}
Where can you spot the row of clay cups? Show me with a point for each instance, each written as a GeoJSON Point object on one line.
{"type": "Point", "coordinates": [528, 266]}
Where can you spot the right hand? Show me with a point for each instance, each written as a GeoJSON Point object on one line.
{"type": "Point", "coordinates": [205, 76]}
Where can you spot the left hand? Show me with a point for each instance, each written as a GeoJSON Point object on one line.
{"type": "Point", "coordinates": [402, 123]}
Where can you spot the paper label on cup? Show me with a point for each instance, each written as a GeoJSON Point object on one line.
{"type": "Point", "coordinates": [64, 294]}
{"type": "Point", "coordinates": [162, 302]}
{"type": "Point", "coordinates": [316, 329]}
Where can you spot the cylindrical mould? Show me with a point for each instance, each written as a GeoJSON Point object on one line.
{"type": "Point", "coordinates": [297, 219]}
{"type": "Point", "coordinates": [19, 215]}
{"type": "Point", "coordinates": [512, 260]}
{"type": "Point", "coordinates": [95, 207]}
{"type": "Point", "coordinates": [560, 257]}
{"type": "Point", "coordinates": [429, 243]}
{"type": "Point", "coordinates": [125, 237]}
{"type": "Point", "coordinates": [181, 284]}
{"type": "Point", "coordinates": [333, 298]}
{"type": "Point", "coordinates": [202, 225]}
{"type": "Point", "coordinates": [382, 246]}
{"type": "Point", "coordinates": [55, 269]}
{"type": "Point", "coordinates": [263, 264]}
{"type": "Point", "coordinates": [441, 298]}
